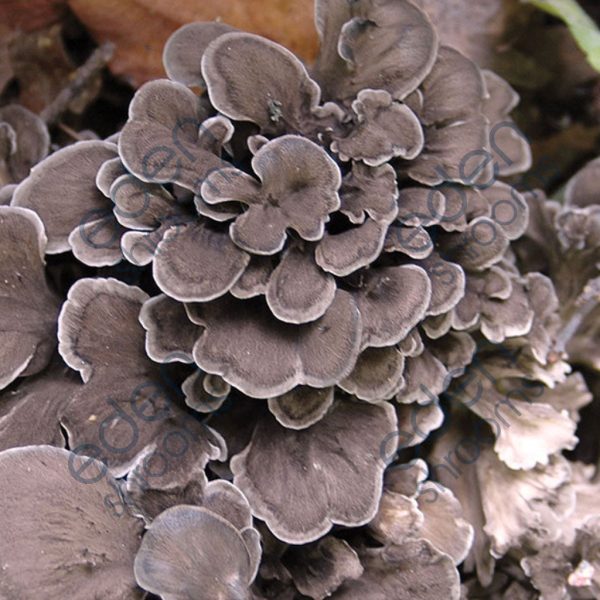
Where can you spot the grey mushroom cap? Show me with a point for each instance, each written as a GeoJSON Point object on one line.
{"type": "Point", "coordinates": [30, 415]}
{"type": "Point", "coordinates": [65, 533]}
{"type": "Point", "coordinates": [253, 79]}
{"type": "Point", "coordinates": [190, 551]}
{"type": "Point", "coordinates": [298, 189]}
{"type": "Point", "coordinates": [170, 335]}
{"type": "Point", "coordinates": [414, 569]}
{"type": "Point", "coordinates": [392, 301]}
{"type": "Point", "coordinates": [202, 395]}
{"type": "Point", "coordinates": [301, 407]}
{"type": "Point", "coordinates": [196, 263]}
{"type": "Point", "coordinates": [455, 126]}
{"type": "Point", "coordinates": [28, 307]}
{"type": "Point", "coordinates": [320, 568]}
{"type": "Point", "coordinates": [263, 357]}
{"type": "Point", "coordinates": [581, 189]}
{"type": "Point", "coordinates": [303, 509]}
{"type": "Point", "coordinates": [168, 137]}
{"type": "Point", "coordinates": [62, 191]}
{"type": "Point", "coordinates": [385, 45]}
{"type": "Point", "coordinates": [384, 130]}
{"type": "Point", "coordinates": [509, 146]}
{"type": "Point", "coordinates": [298, 291]}
{"type": "Point", "coordinates": [29, 143]}
{"type": "Point", "coordinates": [136, 423]}
{"type": "Point", "coordinates": [182, 54]}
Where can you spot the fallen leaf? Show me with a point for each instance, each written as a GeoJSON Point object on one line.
{"type": "Point", "coordinates": [29, 16]}
{"type": "Point", "coordinates": [140, 28]}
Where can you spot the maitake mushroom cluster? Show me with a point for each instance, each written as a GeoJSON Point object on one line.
{"type": "Point", "coordinates": [290, 320]}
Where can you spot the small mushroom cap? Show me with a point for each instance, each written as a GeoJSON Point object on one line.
{"type": "Point", "coordinates": [299, 190]}
{"type": "Point", "coordinates": [182, 54]}
{"type": "Point", "coordinates": [190, 552]}
{"type": "Point", "coordinates": [147, 502]}
{"type": "Point", "coordinates": [197, 263]}
{"type": "Point", "coordinates": [30, 414]}
{"type": "Point", "coordinates": [453, 90]}
{"type": "Point", "coordinates": [508, 209]}
{"type": "Point", "coordinates": [170, 335]}
{"type": "Point", "coordinates": [254, 280]}
{"type": "Point", "coordinates": [509, 318]}
{"type": "Point", "coordinates": [325, 474]}
{"type": "Point", "coordinates": [28, 308]}
{"type": "Point", "coordinates": [201, 396]}
{"type": "Point", "coordinates": [140, 205]}
{"type": "Point", "coordinates": [263, 357]}
{"type": "Point", "coordinates": [108, 173]}
{"type": "Point", "coordinates": [418, 421]}
{"type": "Point", "coordinates": [447, 283]}
{"type": "Point", "coordinates": [421, 206]}
{"type": "Point", "coordinates": [96, 242]}
{"type": "Point", "coordinates": [253, 79]}
{"type": "Point", "coordinates": [62, 190]}
{"type": "Point", "coordinates": [225, 211]}
{"type": "Point", "coordinates": [301, 407]}
{"type": "Point", "coordinates": [351, 250]}
{"type": "Point", "coordinates": [388, 45]}
{"type": "Point", "coordinates": [224, 499]}
{"type": "Point", "coordinates": [582, 189]}
{"type": "Point", "coordinates": [413, 570]}
{"type": "Point", "coordinates": [392, 301]}
{"type": "Point", "coordinates": [89, 325]}
{"type": "Point", "coordinates": [426, 378]}
{"type": "Point", "coordinates": [480, 246]}
{"type": "Point", "coordinates": [167, 139]}
{"type": "Point", "coordinates": [384, 129]}
{"type": "Point", "coordinates": [455, 126]}
{"type": "Point", "coordinates": [369, 192]}
{"type": "Point", "coordinates": [462, 205]}
{"type": "Point", "coordinates": [415, 242]}
{"type": "Point", "coordinates": [509, 146]}
{"type": "Point", "coordinates": [453, 153]}
{"type": "Point", "coordinates": [31, 141]}
{"type": "Point", "coordinates": [298, 291]}
{"type": "Point", "coordinates": [65, 530]}
{"type": "Point", "coordinates": [377, 375]}
{"type": "Point", "coordinates": [319, 569]}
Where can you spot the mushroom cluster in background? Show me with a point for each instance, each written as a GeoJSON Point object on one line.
{"type": "Point", "coordinates": [290, 333]}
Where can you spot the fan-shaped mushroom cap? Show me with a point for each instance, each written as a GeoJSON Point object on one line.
{"type": "Point", "coordinates": [66, 532]}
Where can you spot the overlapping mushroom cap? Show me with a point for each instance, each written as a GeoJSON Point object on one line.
{"type": "Point", "coordinates": [208, 549]}
{"type": "Point", "coordinates": [564, 242]}
{"type": "Point", "coordinates": [24, 141]}
{"type": "Point", "coordinates": [28, 307]}
{"type": "Point", "coordinates": [303, 212]}
{"type": "Point", "coordinates": [60, 537]}
{"type": "Point", "coordinates": [327, 240]}
{"type": "Point", "coordinates": [326, 277]}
